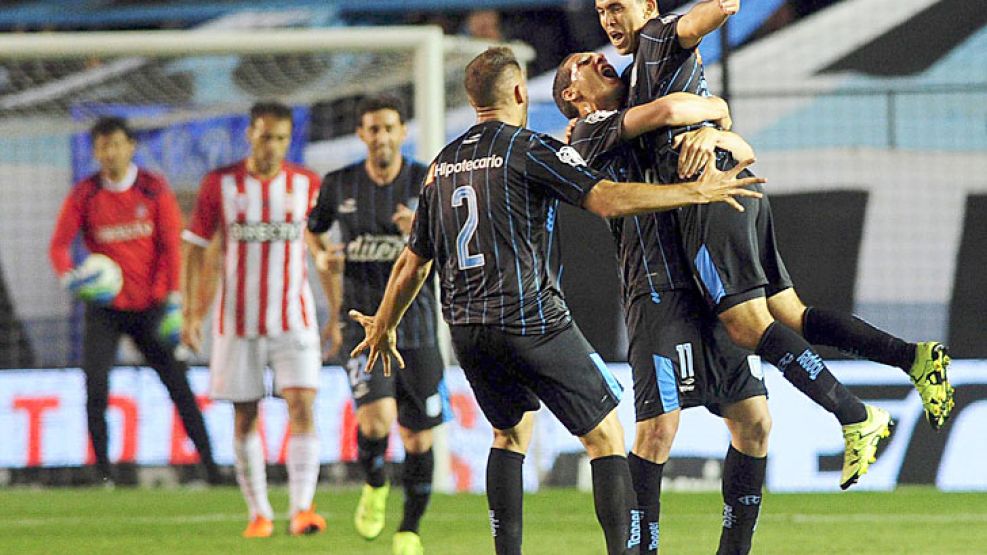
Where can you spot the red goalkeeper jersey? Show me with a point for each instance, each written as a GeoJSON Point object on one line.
{"type": "Point", "coordinates": [138, 228]}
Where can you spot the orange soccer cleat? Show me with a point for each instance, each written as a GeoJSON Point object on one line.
{"type": "Point", "coordinates": [307, 522]}
{"type": "Point", "coordinates": [259, 527]}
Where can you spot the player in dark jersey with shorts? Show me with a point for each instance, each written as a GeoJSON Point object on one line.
{"type": "Point", "coordinates": [735, 258]}
{"type": "Point", "coordinates": [370, 202]}
{"type": "Point", "coordinates": [487, 217]}
{"type": "Point", "coordinates": [680, 354]}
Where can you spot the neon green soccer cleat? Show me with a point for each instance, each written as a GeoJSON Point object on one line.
{"type": "Point", "coordinates": [369, 517]}
{"type": "Point", "coordinates": [861, 444]}
{"type": "Point", "coordinates": [407, 543]}
{"type": "Point", "coordinates": [928, 373]}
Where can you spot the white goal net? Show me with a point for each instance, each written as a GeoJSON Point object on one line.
{"type": "Point", "coordinates": [187, 93]}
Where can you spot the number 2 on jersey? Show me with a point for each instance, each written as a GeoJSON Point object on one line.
{"type": "Point", "coordinates": [467, 260]}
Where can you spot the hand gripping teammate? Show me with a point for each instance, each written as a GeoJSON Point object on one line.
{"type": "Point", "coordinates": [734, 256]}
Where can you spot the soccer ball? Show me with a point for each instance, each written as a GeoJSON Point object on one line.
{"type": "Point", "coordinates": [98, 279]}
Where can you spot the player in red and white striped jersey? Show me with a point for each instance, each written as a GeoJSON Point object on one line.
{"type": "Point", "coordinates": [265, 310]}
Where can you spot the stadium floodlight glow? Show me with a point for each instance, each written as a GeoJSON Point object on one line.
{"type": "Point", "coordinates": [428, 44]}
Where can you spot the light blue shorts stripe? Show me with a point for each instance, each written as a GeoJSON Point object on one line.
{"type": "Point", "coordinates": [708, 274]}
{"type": "Point", "coordinates": [668, 390]}
{"type": "Point", "coordinates": [615, 388]}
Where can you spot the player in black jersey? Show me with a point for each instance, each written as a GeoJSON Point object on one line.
{"type": "Point", "coordinates": [735, 258]}
{"type": "Point", "coordinates": [369, 203]}
{"type": "Point", "coordinates": [680, 354]}
{"type": "Point", "coordinates": [487, 218]}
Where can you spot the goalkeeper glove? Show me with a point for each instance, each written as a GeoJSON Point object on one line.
{"type": "Point", "coordinates": [170, 328]}
{"type": "Point", "coordinates": [85, 286]}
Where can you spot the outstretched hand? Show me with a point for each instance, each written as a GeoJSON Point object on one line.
{"type": "Point", "coordinates": [718, 186]}
{"type": "Point", "coordinates": [381, 343]}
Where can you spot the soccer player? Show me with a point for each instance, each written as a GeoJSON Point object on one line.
{"type": "Point", "coordinates": [265, 315]}
{"type": "Point", "coordinates": [487, 217]}
{"type": "Point", "coordinates": [370, 201]}
{"type": "Point", "coordinates": [680, 354]}
{"type": "Point", "coordinates": [735, 257]}
{"type": "Point", "coordinates": [131, 216]}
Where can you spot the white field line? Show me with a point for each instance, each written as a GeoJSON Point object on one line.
{"type": "Point", "coordinates": [797, 518]}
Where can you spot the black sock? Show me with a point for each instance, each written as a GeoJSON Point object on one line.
{"type": "Point", "coordinates": [613, 496]}
{"type": "Point", "coordinates": [505, 494]}
{"type": "Point", "coordinates": [417, 479]}
{"type": "Point", "coordinates": [801, 366]}
{"type": "Point", "coordinates": [370, 453]}
{"type": "Point", "coordinates": [646, 477]}
{"type": "Point", "coordinates": [852, 335]}
{"type": "Point", "coordinates": [743, 479]}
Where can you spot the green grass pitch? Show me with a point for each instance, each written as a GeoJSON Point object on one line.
{"type": "Point", "coordinates": [152, 521]}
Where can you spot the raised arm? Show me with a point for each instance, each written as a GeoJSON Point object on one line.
{"type": "Point", "coordinates": [673, 110]}
{"type": "Point", "coordinates": [609, 199]}
{"type": "Point", "coordinates": [703, 19]}
{"type": "Point", "coordinates": [407, 277]}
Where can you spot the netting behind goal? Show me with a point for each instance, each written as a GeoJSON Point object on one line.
{"type": "Point", "coordinates": [187, 94]}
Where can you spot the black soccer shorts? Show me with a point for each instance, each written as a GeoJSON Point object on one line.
{"type": "Point", "coordinates": [509, 374]}
{"type": "Point", "coordinates": [418, 388]}
{"type": "Point", "coordinates": [734, 255]}
{"type": "Point", "coordinates": [682, 357]}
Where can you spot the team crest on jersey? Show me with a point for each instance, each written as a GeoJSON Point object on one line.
{"type": "Point", "coordinates": [348, 206]}
{"type": "Point", "coordinates": [569, 155]}
{"type": "Point", "coordinates": [598, 116]}
{"type": "Point", "coordinates": [141, 211]}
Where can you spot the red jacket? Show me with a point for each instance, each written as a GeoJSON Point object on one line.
{"type": "Point", "coordinates": [138, 228]}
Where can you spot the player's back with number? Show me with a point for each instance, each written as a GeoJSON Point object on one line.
{"type": "Point", "coordinates": [488, 216]}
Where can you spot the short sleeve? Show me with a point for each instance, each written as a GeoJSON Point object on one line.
{"type": "Point", "coordinates": [207, 213]}
{"type": "Point", "coordinates": [323, 214]}
{"type": "Point", "coordinates": [559, 169]}
{"type": "Point", "coordinates": [420, 240]}
{"type": "Point", "coordinates": [659, 38]}
{"type": "Point", "coordinates": [598, 134]}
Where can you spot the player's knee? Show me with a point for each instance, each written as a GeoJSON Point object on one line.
{"type": "Point", "coordinates": [509, 440]}
{"type": "Point", "coordinates": [416, 442]}
{"type": "Point", "coordinates": [653, 439]}
{"type": "Point", "coordinates": [742, 333]}
{"type": "Point", "coordinates": [606, 439]}
{"type": "Point", "coordinates": [244, 420]}
{"type": "Point", "coordinates": [752, 437]}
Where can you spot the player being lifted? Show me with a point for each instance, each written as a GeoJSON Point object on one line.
{"type": "Point", "coordinates": [369, 201]}
{"type": "Point", "coordinates": [734, 255]}
{"type": "Point", "coordinates": [265, 314]}
{"type": "Point", "coordinates": [487, 217]}
{"type": "Point", "coordinates": [680, 355]}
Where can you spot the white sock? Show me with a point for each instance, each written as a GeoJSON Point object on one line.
{"type": "Point", "coordinates": [251, 475]}
{"type": "Point", "coordinates": [303, 470]}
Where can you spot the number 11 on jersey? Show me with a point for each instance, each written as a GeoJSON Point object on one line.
{"type": "Point", "coordinates": [467, 260]}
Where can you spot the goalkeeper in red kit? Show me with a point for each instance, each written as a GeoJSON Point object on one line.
{"type": "Point", "coordinates": [131, 216]}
